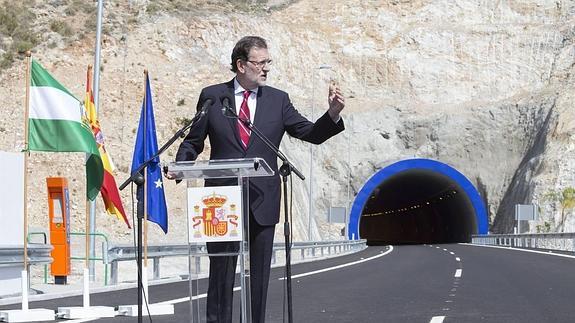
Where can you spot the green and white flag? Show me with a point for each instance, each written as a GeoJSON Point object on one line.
{"type": "Point", "coordinates": [57, 123]}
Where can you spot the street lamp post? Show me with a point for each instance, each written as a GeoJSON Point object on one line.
{"type": "Point", "coordinates": [310, 214]}
{"type": "Point", "coordinates": [348, 204]}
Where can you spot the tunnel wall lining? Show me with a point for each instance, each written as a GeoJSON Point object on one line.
{"type": "Point", "coordinates": [417, 163]}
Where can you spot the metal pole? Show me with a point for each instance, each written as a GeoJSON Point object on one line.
{"type": "Point", "coordinates": [96, 91]}
{"type": "Point", "coordinates": [310, 214]}
{"type": "Point", "coordinates": [348, 204]}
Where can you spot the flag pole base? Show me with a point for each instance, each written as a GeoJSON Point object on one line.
{"type": "Point", "coordinates": [29, 315]}
{"type": "Point", "coordinates": [85, 312]}
{"type": "Point", "coordinates": [155, 309]}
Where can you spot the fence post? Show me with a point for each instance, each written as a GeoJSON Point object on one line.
{"type": "Point", "coordinates": [114, 273]}
{"type": "Point", "coordinates": [156, 267]}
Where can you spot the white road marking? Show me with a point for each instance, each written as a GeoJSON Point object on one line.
{"type": "Point", "coordinates": [340, 266]}
{"type": "Point", "coordinates": [451, 252]}
{"type": "Point", "coordinates": [518, 249]}
{"type": "Point", "coordinates": [444, 249]}
{"type": "Point", "coordinates": [457, 259]}
{"type": "Point", "coordinates": [458, 272]}
{"type": "Point", "coordinates": [187, 299]}
{"type": "Point", "coordinates": [437, 319]}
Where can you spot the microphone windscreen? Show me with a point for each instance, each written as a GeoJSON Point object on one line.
{"type": "Point", "coordinates": [209, 101]}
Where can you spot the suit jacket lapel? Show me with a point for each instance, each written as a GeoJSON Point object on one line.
{"type": "Point", "coordinates": [232, 121]}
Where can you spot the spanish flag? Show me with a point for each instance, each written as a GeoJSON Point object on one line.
{"type": "Point", "coordinates": [109, 189]}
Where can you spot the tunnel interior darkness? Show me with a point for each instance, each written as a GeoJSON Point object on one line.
{"type": "Point", "coordinates": [417, 206]}
{"type": "Point", "coordinates": [417, 201]}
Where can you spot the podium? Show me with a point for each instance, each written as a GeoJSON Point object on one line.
{"type": "Point", "coordinates": [242, 170]}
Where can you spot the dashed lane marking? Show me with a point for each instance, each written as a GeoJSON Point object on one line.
{"type": "Point", "coordinates": [437, 319]}
{"type": "Point", "coordinates": [458, 272]}
{"type": "Point", "coordinates": [457, 259]}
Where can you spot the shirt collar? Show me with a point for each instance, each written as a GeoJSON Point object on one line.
{"type": "Point", "coordinates": [239, 89]}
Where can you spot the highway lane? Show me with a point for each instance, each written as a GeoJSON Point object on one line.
{"type": "Point", "coordinates": [403, 286]}
{"type": "Point", "coordinates": [503, 285]}
{"type": "Point", "coordinates": [411, 283]}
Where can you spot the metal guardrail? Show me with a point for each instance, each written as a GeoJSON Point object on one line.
{"type": "Point", "coordinates": [38, 254]}
{"type": "Point", "coordinates": [103, 258]}
{"type": "Point", "coordinates": [307, 250]}
{"type": "Point", "coordinates": [549, 241]}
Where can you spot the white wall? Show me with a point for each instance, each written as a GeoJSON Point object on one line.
{"type": "Point", "coordinates": [11, 215]}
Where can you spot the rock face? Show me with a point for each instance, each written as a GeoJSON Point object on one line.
{"type": "Point", "coordinates": [485, 86]}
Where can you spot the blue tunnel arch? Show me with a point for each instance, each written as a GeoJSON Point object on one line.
{"type": "Point", "coordinates": [416, 164]}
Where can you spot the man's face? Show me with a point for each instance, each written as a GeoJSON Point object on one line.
{"type": "Point", "coordinates": [253, 72]}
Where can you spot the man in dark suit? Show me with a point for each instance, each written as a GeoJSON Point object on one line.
{"type": "Point", "coordinates": [273, 114]}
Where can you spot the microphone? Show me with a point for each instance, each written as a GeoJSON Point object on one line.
{"type": "Point", "coordinates": [227, 110]}
{"type": "Point", "coordinates": [208, 102]}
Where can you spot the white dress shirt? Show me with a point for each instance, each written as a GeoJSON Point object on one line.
{"type": "Point", "coordinates": [239, 97]}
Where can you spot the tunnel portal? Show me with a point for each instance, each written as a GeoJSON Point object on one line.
{"type": "Point", "coordinates": [417, 201]}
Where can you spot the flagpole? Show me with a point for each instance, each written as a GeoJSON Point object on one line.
{"type": "Point", "coordinates": [26, 314]}
{"type": "Point", "coordinates": [88, 215]}
{"type": "Point", "coordinates": [86, 298]}
{"type": "Point", "coordinates": [96, 90]}
{"type": "Point", "coordinates": [26, 155]}
{"type": "Point", "coordinates": [145, 264]}
{"type": "Point", "coordinates": [142, 203]}
{"type": "Point", "coordinates": [90, 208]}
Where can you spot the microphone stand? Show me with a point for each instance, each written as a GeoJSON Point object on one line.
{"type": "Point", "coordinates": [137, 177]}
{"type": "Point", "coordinates": [285, 170]}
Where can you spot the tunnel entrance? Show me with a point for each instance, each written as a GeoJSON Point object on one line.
{"type": "Point", "coordinates": [417, 201]}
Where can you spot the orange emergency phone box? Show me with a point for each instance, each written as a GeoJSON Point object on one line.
{"type": "Point", "coordinates": [59, 216]}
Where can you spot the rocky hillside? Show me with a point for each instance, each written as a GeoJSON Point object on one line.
{"type": "Point", "coordinates": [483, 85]}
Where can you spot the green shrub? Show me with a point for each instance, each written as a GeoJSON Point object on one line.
{"type": "Point", "coordinates": [90, 24]}
{"type": "Point", "coordinates": [22, 46]}
{"type": "Point", "coordinates": [70, 11]}
{"type": "Point", "coordinates": [183, 121]}
{"type": "Point", "coordinates": [86, 7]}
{"type": "Point", "coordinates": [6, 61]}
{"type": "Point", "coordinates": [152, 8]}
{"type": "Point", "coordinates": [61, 27]}
{"type": "Point", "coordinates": [15, 20]}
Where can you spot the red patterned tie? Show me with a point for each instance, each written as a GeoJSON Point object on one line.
{"type": "Point", "coordinates": [244, 115]}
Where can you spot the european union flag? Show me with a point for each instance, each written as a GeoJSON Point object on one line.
{"type": "Point", "coordinates": [146, 147]}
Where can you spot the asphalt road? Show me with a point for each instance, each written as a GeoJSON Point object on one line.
{"type": "Point", "coordinates": [409, 283]}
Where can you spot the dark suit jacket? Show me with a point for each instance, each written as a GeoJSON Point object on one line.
{"type": "Point", "coordinates": [274, 116]}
